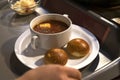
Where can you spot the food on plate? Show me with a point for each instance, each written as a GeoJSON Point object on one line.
{"type": "Point", "coordinates": [117, 20]}
{"type": "Point", "coordinates": [24, 7]}
{"type": "Point", "coordinates": [50, 26]}
{"type": "Point", "coordinates": [78, 48]}
{"type": "Point", "coordinates": [56, 56]}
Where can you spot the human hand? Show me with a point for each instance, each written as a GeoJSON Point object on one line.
{"type": "Point", "coordinates": [51, 72]}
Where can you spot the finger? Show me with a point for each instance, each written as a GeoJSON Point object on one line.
{"type": "Point", "coordinates": [73, 73]}
{"type": "Point", "coordinates": [63, 77]}
{"type": "Point", "coordinates": [73, 79]}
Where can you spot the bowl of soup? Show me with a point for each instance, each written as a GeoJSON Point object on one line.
{"type": "Point", "coordinates": [50, 31]}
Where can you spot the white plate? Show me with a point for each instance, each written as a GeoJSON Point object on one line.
{"type": "Point", "coordinates": [34, 58]}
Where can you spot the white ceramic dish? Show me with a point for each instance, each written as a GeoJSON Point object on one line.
{"type": "Point", "coordinates": [34, 58]}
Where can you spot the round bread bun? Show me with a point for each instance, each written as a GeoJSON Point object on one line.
{"type": "Point", "coordinates": [56, 56]}
{"type": "Point", "coordinates": [77, 48]}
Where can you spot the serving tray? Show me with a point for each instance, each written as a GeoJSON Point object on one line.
{"type": "Point", "coordinates": [106, 32]}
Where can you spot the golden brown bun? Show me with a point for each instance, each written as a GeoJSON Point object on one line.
{"type": "Point", "coordinates": [77, 48]}
{"type": "Point", "coordinates": [56, 56]}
